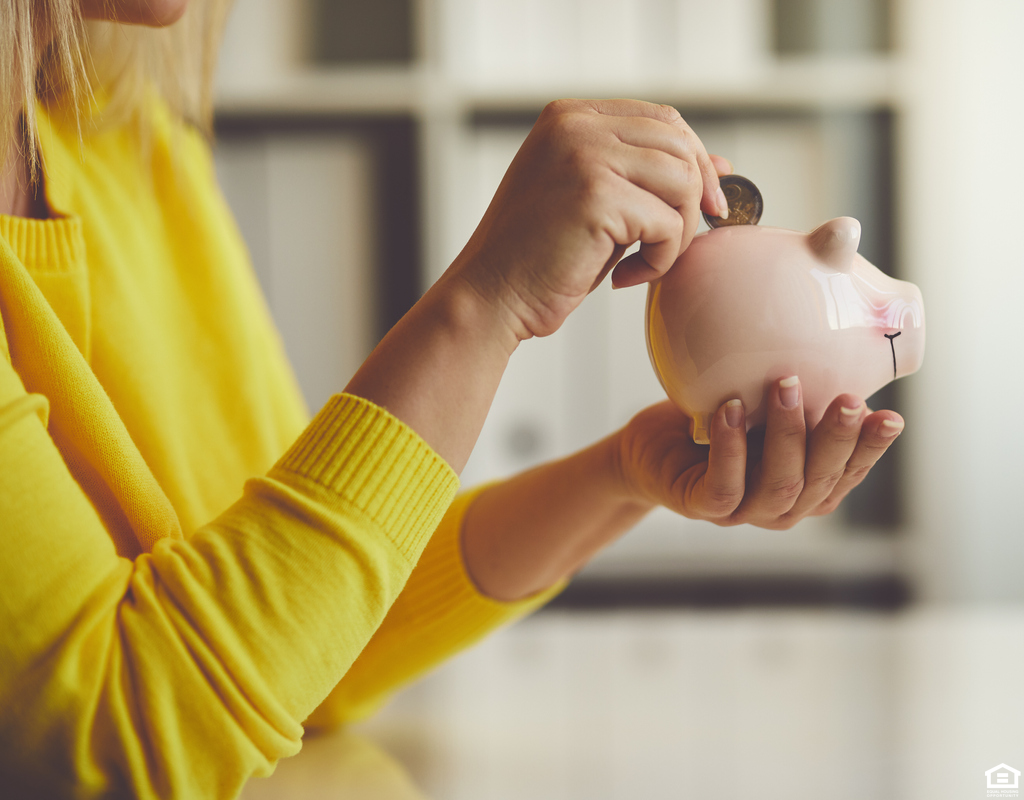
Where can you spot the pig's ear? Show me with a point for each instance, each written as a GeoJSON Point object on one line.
{"type": "Point", "coordinates": [835, 242]}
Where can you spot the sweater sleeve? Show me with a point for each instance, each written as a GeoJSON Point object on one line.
{"type": "Point", "coordinates": [439, 612]}
{"type": "Point", "coordinates": [188, 670]}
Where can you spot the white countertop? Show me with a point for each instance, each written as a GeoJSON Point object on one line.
{"type": "Point", "coordinates": [695, 704]}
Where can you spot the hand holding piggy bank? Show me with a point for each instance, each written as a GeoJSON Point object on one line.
{"type": "Point", "coordinates": [744, 306]}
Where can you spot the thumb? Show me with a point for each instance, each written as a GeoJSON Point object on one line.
{"type": "Point", "coordinates": [632, 271]}
{"type": "Point", "coordinates": [611, 262]}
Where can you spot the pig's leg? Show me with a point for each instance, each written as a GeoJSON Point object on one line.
{"type": "Point", "coordinates": [700, 428]}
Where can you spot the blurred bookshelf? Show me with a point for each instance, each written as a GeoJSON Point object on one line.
{"type": "Point", "coordinates": [803, 96]}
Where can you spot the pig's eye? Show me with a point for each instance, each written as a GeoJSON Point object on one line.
{"type": "Point", "coordinates": [890, 337]}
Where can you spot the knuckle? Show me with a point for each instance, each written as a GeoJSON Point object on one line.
{"type": "Point", "coordinates": [720, 505]}
{"type": "Point", "coordinates": [788, 427]}
{"type": "Point", "coordinates": [783, 522]}
{"type": "Point", "coordinates": [570, 130]}
{"type": "Point", "coordinates": [827, 507]}
{"type": "Point", "coordinates": [557, 108]}
{"type": "Point", "coordinates": [720, 501]}
{"type": "Point", "coordinates": [734, 450]}
{"type": "Point", "coordinates": [663, 162]}
{"type": "Point", "coordinates": [729, 521]}
{"type": "Point", "coordinates": [669, 113]}
{"type": "Point", "coordinates": [826, 481]}
{"type": "Point", "coordinates": [737, 517]}
{"type": "Point", "coordinates": [785, 489]}
{"type": "Point", "coordinates": [674, 223]}
{"type": "Point", "coordinates": [689, 146]}
{"type": "Point", "coordinates": [857, 474]}
{"type": "Point", "coordinates": [845, 440]}
{"type": "Point", "coordinates": [795, 429]}
{"type": "Point", "coordinates": [594, 192]}
{"type": "Point", "coordinates": [875, 448]}
{"type": "Point", "coordinates": [689, 173]}
{"type": "Point", "coordinates": [843, 434]}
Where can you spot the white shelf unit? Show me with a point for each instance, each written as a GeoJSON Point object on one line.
{"type": "Point", "coordinates": [562, 393]}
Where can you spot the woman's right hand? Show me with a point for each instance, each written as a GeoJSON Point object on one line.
{"type": "Point", "coordinates": [592, 178]}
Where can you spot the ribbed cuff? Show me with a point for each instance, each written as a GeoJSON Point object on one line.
{"type": "Point", "coordinates": [439, 612]}
{"type": "Point", "coordinates": [379, 465]}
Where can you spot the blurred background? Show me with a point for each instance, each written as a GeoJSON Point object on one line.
{"type": "Point", "coordinates": [874, 653]}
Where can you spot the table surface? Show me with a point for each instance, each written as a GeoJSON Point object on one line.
{"type": "Point", "coordinates": [702, 704]}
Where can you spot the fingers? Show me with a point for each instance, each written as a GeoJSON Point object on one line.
{"type": "Point", "coordinates": [778, 479]}
{"type": "Point", "coordinates": [686, 145]}
{"type": "Point", "coordinates": [673, 180]}
{"type": "Point", "coordinates": [673, 175]}
{"type": "Point", "coordinates": [642, 217]}
{"type": "Point", "coordinates": [722, 165]}
{"type": "Point", "coordinates": [617, 253]}
{"type": "Point", "coordinates": [679, 185]}
{"type": "Point", "coordinates": [832, 443]}
{"type": "Point", "coordinates": [795, 475]}
{"type": "Point", "coordinates": [680, 200]}
{"type": "Point", "coordinates": [642, 147]}
{"type": "Point", "coordinates": [800, 475]}
{"type": "Point", "coordinates": [878, 430]}
{"type": "Point", "coordinates": [634, 270]}
{"type": "Point", "coordinates": [713, 200]}
{"type": "Point", "coordinates": [663, 128]}
{"type": "Point", "coordinates": [714, 490]}
{"type": "Point", "coordinates": [679, 141]}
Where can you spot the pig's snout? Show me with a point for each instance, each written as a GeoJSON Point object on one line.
{"type": "Point", "coordinates": [898, 312]}
{"type": "Point", "coordinates": [907, 323]}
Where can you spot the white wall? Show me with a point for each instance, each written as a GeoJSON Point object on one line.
{"type": "Point", "coordinates": [962, 155]}
{"type": "Point", "coordinates": [304, 203]}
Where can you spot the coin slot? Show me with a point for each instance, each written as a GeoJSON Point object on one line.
{"type": "Point", "coordinates": [890, 337]}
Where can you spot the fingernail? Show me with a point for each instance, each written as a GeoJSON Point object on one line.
{"type": "Point", "coordinates": [890, 428]}
{"type": "Point", "coordinates": [849, 416]}
{"type": "Point", "coordinates": [723, 205]}
{"type": "Point", "coordinates": [789, 391]}
{"type": "Point", "coordinates": [734, 413]}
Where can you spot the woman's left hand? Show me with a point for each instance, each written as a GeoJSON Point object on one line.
{"type": "Point", "coordinates": [795, 474]}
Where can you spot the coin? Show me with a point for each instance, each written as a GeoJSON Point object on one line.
{"type": "Point", "coordinates": [744, 199]}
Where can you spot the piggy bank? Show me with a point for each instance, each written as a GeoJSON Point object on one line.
{"type": "Point", "coordinates": [744, 306]}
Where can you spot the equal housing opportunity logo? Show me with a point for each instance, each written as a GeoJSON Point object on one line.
{"type": "Point", "coordinates": [1002, 781]}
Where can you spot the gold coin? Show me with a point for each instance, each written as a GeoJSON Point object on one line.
{"type": "Point", "coordinates": [744, 199]}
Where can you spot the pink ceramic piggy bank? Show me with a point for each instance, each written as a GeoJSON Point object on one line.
{"type": "Point", "coordinates": [744, 306]}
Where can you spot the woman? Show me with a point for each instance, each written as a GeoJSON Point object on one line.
{"type": "Point", "coordinates": [193, 568]}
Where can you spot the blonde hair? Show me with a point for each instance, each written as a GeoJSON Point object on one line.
{"type": "Point", "coordinates": [49, 53]}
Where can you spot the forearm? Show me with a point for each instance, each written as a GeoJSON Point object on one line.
{"type": "Point", "coordinates": [437, 370]}
{"type": "Point", "coordinates": [525, 534]}
{"type": "Point", "coordinates": [203, 656]}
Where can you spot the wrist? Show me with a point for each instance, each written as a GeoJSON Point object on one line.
{"type": "Point", "coordinates": [492, 286]}
{"type": "Point", "coordinates": [619, 481]}
{"type": "Point", "coordinates": [524, 534]}
{"type": "Point", "coordinates": [438, 368]}
{"type": "Point", "coordinates": [468, 310]}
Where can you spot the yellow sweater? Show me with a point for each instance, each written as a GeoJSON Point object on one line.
{"type": "Point", "coordinates": [189, 568]}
